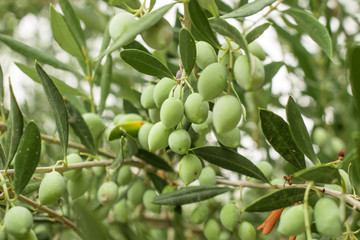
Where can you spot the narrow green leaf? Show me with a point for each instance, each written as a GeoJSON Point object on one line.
{"type": "Point", "coordinates": [153, 160]}
{"type": "Point", "coordinates": [230, 160]}
{"type": "Point", "coordinates": [80, 128]}
{"type": "Point", "coordinates": [355, 164]}
{"type": "Point", "coordinates": [1, 88]}
{"type": "Point", "coordinates": [119, 159]}
{"type": "Point", "coordinates": [62, 86]}
{"type": "Point", "coordinates": [278, 134]}
{"type": "Point", "coordinates": [105, 82]}
{"type": "Point", "coordinates": [187, 50]}
{"type": "Point", "coordinates": [298, 130]}
{"type": "Point", "coordinates": [32, 186]}
{"type": "Point", "coordinates": [158, 182]}
{"type": "Point", "coordinates": [256, 32]}
{"type": "Point", "coordinates": [320, 174]}
{"type": "Point", "coordinates": [353, 59]}
{"type": "Point", "coordinates": [188, 195]}
{"type": "Point", "coordinates": [145, 63]}
{"type": "Point", "coordinates": [226, 29]}
{"type": "Point", "coordinates": [249, 9]}
{"type": "Point", "coordinates": [138, 27]}
{"type": "Point", "coordinates": [63, 35]}
{"type": "Point", "coordinates": [37, 54]}
{"type": "Point", "coordinates": [278, 199]}
{"type": "Point", "coordinates": [129, 107]}
{"type": "Point", "coordinates": [310, 25]}
{"type": "Point", "coordinates": [15, 128]}
{"type": "Point", "coordinates": [57, 106]}
{"type": "Point", "coordinates": [73, 22]}
{"type": "Point", "coordinates": [27, 156]}
{"type": "Point", "coordinates": [271, 70]}
{"type": "Point", "coordinates": [136, 45]}
{"type": "Point", "coordinates": [201, 23]}
{"type": "Point", "coordinates": [2, 157]}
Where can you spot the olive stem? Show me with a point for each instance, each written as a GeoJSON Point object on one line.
{"type": "Point", "coordinates": [306, 212]}
{"type": "Point", "coordinates": [89, 78]}
{"type": "Point", "coordinates": [6, 193]}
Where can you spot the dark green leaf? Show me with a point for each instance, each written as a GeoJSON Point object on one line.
{"type": "Point", "coordinates": [62, 86]}
{"type": "Point", "coordinates": [278, 199]}
{"type": "Point", "coordinates": [353, 57]}
{"type": "Point", "coordinates": [27, 156]}
{"type": "Point", "coordinates": [309, 24]}
{"type": "Point", "coordinates": [119, 159]}
{"type": "Point", "coordinates": [189, 195]}
{"type": "Point", "coordinates": [187, 50]}
{"type": "Point", "coordinates": [63, 35]}
{"type": "Point", "coordinates": [57, 106]}
{"type": "Point", "coordinates": [320, 174]}
{"type": "Point", "coordinates": [271, 70]}
{"type": "Point", "coordinates": [153, 160]}
{"type": "Point", "coordinates": [224, 28]}
{"type": "Point", "coordinates": [15, 128]}
{"type": "Point", "coordinates": [32, 186]}
{"type": "Point", "coordinates": [298, 130]}
{"type": "Point", "coordinates": [2, 157]}
{"type": "Point", "coordinates": [256, 32]}
{"type": "Point", "coordinates": [105, 82]}
{"type": "Point", "coordinates": [355, 164]}
{"type": "Point", "coordinates": [37, 54]}
{"type": "Point", "coordinates": [277, 132]}
{"type": "Point", "coordinates": [249, 9]}
{"type": "Point", "coordinates": [138, 27]}
{"type": "Point", "coordinates": [158, 182]}
{"type": "Point", "coordinates": [73, 22]}
{"type": "Point", "coordinates": [80, 128]}
{"type": "Point", "coordinates": [129, 107]}
{"type": "Point", "coordinates": [230, 160]}
{"type": "Point", "coordinates": [145, 63]}
{"type": "Point", "coordinates": [201, 23]}
{"type": "Point", "coordinates": [136, 45]}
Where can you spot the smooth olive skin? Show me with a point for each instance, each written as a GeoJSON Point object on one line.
{"type": "Point", "coordinates": [249, 79]}
{"type": "Point", "coordinates": [124, 176]}
{"type": "Point", "coordinates": [129, 117]}
{"type": "Point", "coordinates": [189, 168]}
{"type": "Point", "coordinates": [246, 231]}
{"type": "Point", "coordinates": [205, 126]}
{"type": "Point", "coordinates": [18, 221]}
{"type": "Point", "coordinates": [143, 135]}
{"type": "Point", "coordinates": [158, 136]}
{"type": "Point", "coordinates": [147, 97]}
{"type": "Point", "coordinates": [292, 220]}
{"type": "Point", "coordinates": [148, 197]}
{"type": "Point", "coordinates": [200, 213]}
{"type": "Point", "coordinates": [212, 81]}
{"type": "Point", "coordinates": [205, 54]}
{"type": "Point", "coordinates": [107, 193]}
{"type": "Point", "coordinates": [72, 159]}
{"type": "Point", "coordinates": [171, 112]}
{"type": "Point", "coordinates": [120, 23]}
{"type": "Point", "coordinates": [95, 124]}
{"type": "Point", "coordinates": [29, 236]}
{"type": "Point", "coordinates": [230, 139]}
{"type": "Point", "coordinates": [136, 192]}
{"type": "Point", "coordinates": [256, 50]}
{"type": "Point", "coordinates": [162, 90]}
{"type": "Point", "coordinates": [227, 113]}
{"type": "Point", "coordinates": [327, 217]}
{"type": "Point", "coordinates": [51, 188]}
{"type": "Point", "coordinates": [229, 216]}
{"type": "Point", "coordinates": [158, 36]}
{"type": "Point", "coordinates": [266, 168]}
{"type": "Point", "coordinates": [78, 187]}
{"type": "Point", "coordinates": [121, 211]}
{"type": "Point", "coordinates": [196, 109]}
{"type": "Point", "coordinates": [211, 230]}
{"type": "Point", "coordinates": [207, 177]}
{"type": "Point", "coordinates": [179, 141]}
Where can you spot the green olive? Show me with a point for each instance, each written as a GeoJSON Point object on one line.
{"type": "Point", "coordinates": [162, 90]}
{"type": "Point", "coordinates": [212, 81]}
{"type": "Point", "coordinates": [256, 50]}
{"type": "Point", "coordinates": [249, 79]}
{"type": "Point", "coordinates": [78, 187]}
{"type": "Point", "coordinates": [154, 115]}
{"type": "Point", "coordinates": [227, 112]}
{"type": "Point", "coordinates": [205, 126]}
{"type": "Point", "coordinates": [107, 193]}
{"type": "Point", "coordinates": [246, 231]}
{"type": "Point", "coordinates": [207, 177]}
{"type": "Point", "coordinates": [147, 97]}
{"type": "Point", "coordinates": [224, 53]}
{"type": "Point", "coordinates": [158, 136]}
{"type": "Point", "coordinates": [124, 176]}
{"type": "Point", "coordinates": [18, 221]}
{"type": "Point", "coordinates": [95, 124]}
{"type": "Point", "coordinates": [292, 221]}
{"type": "Point", "coordinates": [205, 54]}
{"type": "Point", "coordinates": [179, 141]}
{"type": "Point", "coordinates": [266, 168]}
{"type": "Point", "coordinates": [320, 136]}
{"type": "Point", "coordinates": [189, 168]}
{"type": "Point", "coordinates": [51, 188]}
{"type": "Point", "coordinates": [148, 197]}
{"type": "Point", "coordinates": [129, 117]}
{"type": "Point", "coordinates": [120, 23]}
{"type": "Point", "coordinates": [229, 216]}
{"type": "Point", "coordinates": [196, 109]}
{"type": "Point", "coordinates": [121, 211]}
{"type": "Point", "coordinates": [136, 192]}
{"type": "Point", "coordinates": [71, 159]}
{"type": "Point", "coordinates": [200, 213]}
{"type": "Point", "coordinates": [177, 92]}
{"type": "Point", "coordinates": [211, 230]}
{"type": "Point", "coordinates": [327, 217]}
{"type": "Point", "coordinates": [158, 36]}
{"type": "Point", "coordinates": [29, 236]}
{"type": "Point", "coordinates": [230, 139]}
{"type": "Point", "coordinates": [143, 135]}
{"type": "Point", "coordinates": [171, 112]}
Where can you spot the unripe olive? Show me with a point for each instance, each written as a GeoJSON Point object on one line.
{"type": "Point", "coordinates": [266, 168]}
{"type": "Point", "coordinates": [120, 23]}
{"type": "Point", "coordinates": [229, 216]}
{"type": "Point", "coordinates": [129, 117]}
{"type": "Point", "coordinates": [205, 54]}
{"type": "Point", "coordinates": [346, 179]}
{"type": "Point", "coordinates": [124, 176]}
{"type": "Point", "coordinates": [18, 221]}
{"type": "Point", "coordinates": [230, 139]}
{"type": "Point", "coordinates": [154, 115]}
{"type": "Point", "coordinates": [207, 176]}
{"type": "Point", "coordinates": [78, 187]}
{"type": "Point", "coordinates": [162, 90]}
{"type": "Point", "coordinates": [246, 231]}
{"type": "Point", "coordinates": [158, 137]}
{"type": "Point", "coordinates": [327, 218]}
{"type": "Point", "coordinates": [107, 193]}
{"type": "Point", "coordinates": [205, 126]}
{"type": "Point", "coordinates": [3, 234]}
{"type": "Point", "coordinates": [148, 197]}
{"type": "Point", "coordinates": [189, 168]}
{"type": "Point", "coordinates": [158, 36]}
{"type": "Point", "coordinates": [211, 230]}
{"type": "Point", "coordinates": [179, 141]}
{"type": "Point", "coordinates": [147, 97]}
{"type": "Point", "coordinates": [71, 159]}
{"type": "Point", "coordinates": [95, 124]}
{"type": "Point", "coordinates": [29, 236]}
{"type": "Point", "coordinates": [292, 221]}
{"type": "Point", "coordinates": [212, 81]}
{"type": "Point", "coordinates": [196, 109]}
{"type": "Point", "coordinates": [224, 53]}
{"type": "Point", "coordinates": [136, 192]}
{"type": "Point", "coordinates": [249, 79]}
{"type": "Point", "coordinates": [121, 212]}
{"type": "Point", "coordinates": [226, 113]}
{"type": "Point", "coordinates": [200, 213]}
{"type": "Point", "coordinates": [143, 135]}
{"type": "Point", "coordinates": [51, 188]}
{"type": "Point", "coordinates": [171, 112]}
{"type": "Point", "coordinates": [98, 170]}
{"type": "Point", "coordinates": [256, 50]}
{"type": "Point", "coordinates": [336, 144]}
{"type": "Point", "coordinates": [320, 136]}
